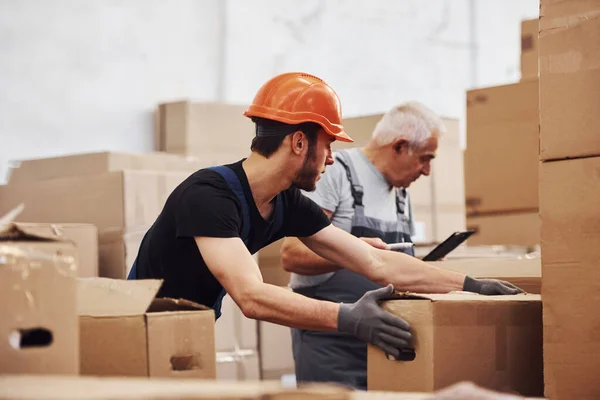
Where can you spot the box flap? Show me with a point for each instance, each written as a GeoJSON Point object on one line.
{"type": "Point", "coordinates": [15, 232]}
{"type": "Point", "coordinates": [167, 304]}
{"type": "Point", "coordinates": [12, 231]}
{"type": "Point", "coordinates": [461, 296]}
{"type": "Point", "coordinates": [104, 297]}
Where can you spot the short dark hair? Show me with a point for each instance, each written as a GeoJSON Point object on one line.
{"type": "Point", "coordinates": [267, 145]}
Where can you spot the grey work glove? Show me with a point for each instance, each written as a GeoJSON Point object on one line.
{"type": "Point", "coordinates": [490, 286]}
{"type": "Point", "coordinates": [370, 323]}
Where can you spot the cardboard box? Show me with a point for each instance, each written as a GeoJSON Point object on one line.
{"type": "Point", "coordinates": [529, 49]}
{"type": "Point", "coordinates": [236, 340]}
{"type": "Point", "coordinates": [569, 79]}
{"type": "Point", "coordinates": [126, 331]}
{"type": "Point", "coordinates": [277, 358]}
{"type": "Point", "coordinates": [438, 207]}
{"type": "Point", "coordinates": [84, 236]}
{"type": "Point", "coordinates": [234, 330]}
{"type": "Point", "coordinates": [506, 229]}
{"type": "Point", "coordinates": [493, 341]}
{"type": "Point", "coordinates": [501, 172]}
{"type": "Point", "coordinates": [269, 262]}
{"type": "Point", "coordinates": [524, 272]}
{"type": "Point", "coordinates": [118, 251]}
{"type": "Point", "coordinates": [238, 365]}
{"type": "Point", "coordinates": [111, 201]}
{"type": "Point", "coordinates": [569, 193]}
{"type": "Point", "coordinates": [38, 318]}
{"type": "Point", "coordinates": [214, 132]}
{"type": "Point", "coordinates": [83, 388]}
{"type": "Point", "coordinates": [99, 163]}
{"type": "Point", "coordinates": [122, 205]}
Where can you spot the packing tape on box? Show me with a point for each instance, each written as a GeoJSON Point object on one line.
{"type": "Point", "coordinates": [548, 24]}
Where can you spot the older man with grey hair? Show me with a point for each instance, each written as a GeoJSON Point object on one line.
{"type": "Point", "coordinates": [363, 193]}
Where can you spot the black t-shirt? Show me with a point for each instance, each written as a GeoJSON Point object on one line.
{"type": "Point", "coordinates": [204, 205]}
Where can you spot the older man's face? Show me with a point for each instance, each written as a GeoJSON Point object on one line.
{"type": "Point", "coordinates": [410, 165]}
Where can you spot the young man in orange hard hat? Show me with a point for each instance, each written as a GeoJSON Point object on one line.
{"type": "Point", "coordinates": [201, 244]}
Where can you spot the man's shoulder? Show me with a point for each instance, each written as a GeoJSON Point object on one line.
{"type": "Point", "coordinates": [204, 186]}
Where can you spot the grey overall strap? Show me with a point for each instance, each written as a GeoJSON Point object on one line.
{"type": "Point", "coordinates": [357, 189]}
{"type": "Point", "coordinates": [401, 200]}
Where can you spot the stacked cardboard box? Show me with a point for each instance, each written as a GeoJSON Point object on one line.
{"type": "Point", "coordinates": [121, 194]}
{"type": "Point", "coordinates": [84, 236]}
{"type": "Point", "coordinates": [269, 261]}
{"type": "Point", "coordinates": [38, 316]}
{"type": "Point", "coordinates": [569, 193]}
{"type": "Point", "coordinates": [493, 341]}
{"type": "Point", "coordinates": [438, 200]}
{"type": "Point", "coordinates": [126, 331]}
{"type": "Point", "coordinates": [501, 174]}
{"type": "Point", "coordinates": [214, 132]}
{"type": "Point", "coordinates": [276, 356]}
{"type": "Point", "coordinates": [523, 271]}
{"type": "Point", "coordinates": [236, 340]}
{"type": "Point", "coordinates": [529, 49]}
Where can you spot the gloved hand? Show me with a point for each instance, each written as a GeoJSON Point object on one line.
{"type": "Point", "coordinates": [490, 286]}
{"type": "Point", "coordinates": [370, 323]}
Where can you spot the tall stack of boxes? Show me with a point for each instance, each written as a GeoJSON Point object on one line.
{"type": "Point", "coordinates": [569, 196]}
{"type": "Point", "coordinates": [501, 173]}
{"type": "Point", "coordinates": [120, 193]}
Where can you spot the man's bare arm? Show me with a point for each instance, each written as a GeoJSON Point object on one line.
{"type": "Point", "coordinates": [233, 266]}
{"type": "Point", "coordinates": [382, 266]}
{"type": "Point", "coordinates": [299, 259]}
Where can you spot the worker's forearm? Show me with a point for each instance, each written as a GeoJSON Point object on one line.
{"type": "Point", "coordinates": [299, 259]}
{"type": "Point", "coordinates": [409, 273]}
{"type": "Point", "coordinates": [281, 306]}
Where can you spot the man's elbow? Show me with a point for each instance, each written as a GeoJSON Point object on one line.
{"type": "Point", "coordinates": [251, 310]}
{"type": "Point", "coordinates": [288, 257]}
{"type": "Point", "coordinates": [248, 303]}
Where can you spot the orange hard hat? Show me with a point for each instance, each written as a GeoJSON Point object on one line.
{"type": "Point", "coordinates": [295, 97]}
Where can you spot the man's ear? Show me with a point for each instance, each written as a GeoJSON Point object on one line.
{"type": "Point", "coordinates": [298, 142]}
{"type": "Point", "coordinates": [399, 145]}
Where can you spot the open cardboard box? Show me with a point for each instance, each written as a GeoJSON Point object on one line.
{"type": "Point", "coordinates": [126, 331]}
{"type": "Point", "coordinates": [493, 341]}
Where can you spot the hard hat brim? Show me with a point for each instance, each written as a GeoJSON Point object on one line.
{"type": "Point", "coordinates": [294, 118]}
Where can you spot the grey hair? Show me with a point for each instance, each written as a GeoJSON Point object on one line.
{"type": "Point", "coordinates": [411, 121]}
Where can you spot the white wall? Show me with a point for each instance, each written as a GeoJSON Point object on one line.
{"type": "Point", "coordinates": [85, 75]}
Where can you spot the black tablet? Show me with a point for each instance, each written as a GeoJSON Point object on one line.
{"type": "Point", "coordinates": [452, 242]}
